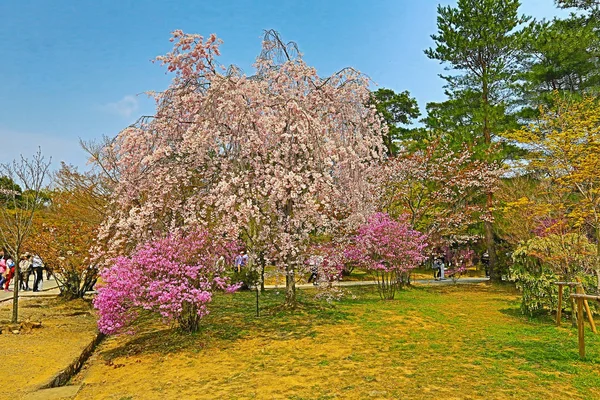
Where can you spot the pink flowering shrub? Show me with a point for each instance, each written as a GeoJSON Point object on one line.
{"type": "Point", "coordinates": [174, 277]}
{"type": "Point", "coordinates": [389, 248]}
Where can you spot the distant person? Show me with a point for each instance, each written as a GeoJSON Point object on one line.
{"type": "Point", "coordinates": [485, 260]}
{"type": "Point", "coordinates": [10, 272]}
{"type": "Point", "coordinates": [37, 266]}
{"type": "Point", "coordinates": [442, 269]}
{"type": "Point", "coordinates": [436, 268]}
{"type": "Point", "coordinates": [25, 270]}
{"type": "Point", "coordinates": [3, 269]}
{"type": "Point", "coordinates": [240, 261]}
{"type": "Point", "coordinates": [314, 270]}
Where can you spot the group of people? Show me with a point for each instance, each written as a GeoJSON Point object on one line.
{"type": "Point", "coordinates": [438, 269]}
{"type": "Point", "coordinates": [29, 264]}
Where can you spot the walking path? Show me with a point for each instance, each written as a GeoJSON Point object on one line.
{"type": "Point", "coordinates": [49, 287]}
{"type": "Point", "coordinates": [431, 282]}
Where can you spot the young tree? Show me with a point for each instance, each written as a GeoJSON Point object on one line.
{"type": "Point", "coordinates": [480, 41]}
{"type": "Point", "coordinates": [66, 230]}
{"type": "Point", "coordinates": [389, 248]}
{"type": "Point", "coordinates": [272, 153]}
{"type": "Point", "coordinates": [565, 147]}
{"type": "Point", "coordinates": [174, 277]}
{"type": "Point", "coordinates": [19, 208]}
{"type": "Point", "coordinates": [440, 190]}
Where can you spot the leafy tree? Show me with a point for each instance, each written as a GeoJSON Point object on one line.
{"type": "Point", "coordinates": [480, 41]}
{"type": "Point", "coordinates": [589, 5]}
{"type": "Point", "coordinates": [438, 189]}
{"type": "Point", "coordinates": [565, 148]}
{"type": "Point", "coordinates": [562, 55]}
{"type": "Point", "coordinates": [19, 208]}
{"type": "Point", "coordinates": [65, 230]}
{"type": "Point", "coordinates": [543, 260]}
{"type": "Point", "coordinates": [389, 248]}
{"type": "Point", "coordinates": [9, 186]}
{"type": "Point", "coordinates": [397, 109]}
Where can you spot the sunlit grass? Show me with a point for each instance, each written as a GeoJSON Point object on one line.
{"type": "Point", "coordinates": [443, 342]}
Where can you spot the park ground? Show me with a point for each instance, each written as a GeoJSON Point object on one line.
{"type": "Point", "coordinates": [451, 341]}
{"type": "Point", "coordinates": [30, 360]}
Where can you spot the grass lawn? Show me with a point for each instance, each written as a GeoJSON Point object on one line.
{"type": "Point", "coordinates": [32, 359]}
{"type": "Point", "coordinates": [274, 278]}
{"type": "Point", "coordinates": [450, 342]}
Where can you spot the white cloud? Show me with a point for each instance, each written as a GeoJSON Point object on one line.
{"type": "Point", "coordinates": [125, 107]}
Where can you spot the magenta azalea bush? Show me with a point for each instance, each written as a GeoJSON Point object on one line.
{"type": "Point", "coordinates": [390, 248]}
{"type": "Point", "coordinates": [174, 277]}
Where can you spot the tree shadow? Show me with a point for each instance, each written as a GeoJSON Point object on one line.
{"type": "Point", "coordinates": [232, 318]}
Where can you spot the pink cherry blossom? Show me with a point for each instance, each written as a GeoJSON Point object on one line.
{"type": "Point", "coordinates": [270, 158]}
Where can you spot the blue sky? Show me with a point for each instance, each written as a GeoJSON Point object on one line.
{"type": "Point", "coordinates": [75, 69]}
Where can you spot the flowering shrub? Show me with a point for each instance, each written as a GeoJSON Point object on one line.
{"type": "Point", "coordinates": [389, 248]}
{"type": "Point", "coordinates": [174, 277]}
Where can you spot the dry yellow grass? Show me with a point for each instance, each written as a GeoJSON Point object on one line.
{"type": "Point", "coordinates": [446, 342]}
{"type": "Point", "coordinates": [30, 360]}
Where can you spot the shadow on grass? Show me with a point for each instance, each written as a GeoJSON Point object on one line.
{"type": "Point", "coordinates": [232, 317]}
{"type": "Point", "coordinates": [542, 318]}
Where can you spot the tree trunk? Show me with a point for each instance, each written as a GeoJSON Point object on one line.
{"type": "Point", "coordinates": [290, 285]}
{"type": "Point", "coordinates": [189, 321]}
{"type": "Point", "coordinates": [15, 310]}
{"type": "Point", "coordinates": [495, 275]}
{"type": "Point", "coordinates": [598, 257]}
{"type": "Point", "coordinates": [489, 228]}
{"type": "Point", "coordinates": [262, 262]}
{"type": "Point", "coordinates": [290, 278]}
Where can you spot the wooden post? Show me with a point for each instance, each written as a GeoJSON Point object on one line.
{"type": "Point", "coordinates": [587, 306]}
{"type": "Point", "coordinates": [560, 297]}
{"type": "Point", "coordinates": [571, 285]}
{"type": "Point", "coordinates": [589, 315]}
{"type": "Point", "coordinates": [573, 310]}
{"type": "Point", "coordinates": [580, 331]}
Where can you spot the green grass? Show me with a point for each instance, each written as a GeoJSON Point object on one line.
{"type": "Point", "coordinates": [466, 341]}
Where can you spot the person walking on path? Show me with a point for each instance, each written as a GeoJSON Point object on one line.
{"type": "Point", "coordinates": [442, 267]}
{"type": "Point", "coordinates": [241, 261]}
{"type": "Point", "coordinates": [314, 270]}
{"type": "Point", "coordinates": [237, 265]}
{"type": "Point", "coordinates": [10, 268]}
{"type": "Point", "coordinates": [3, 269]}
{"type": "Point", "coordinates": [25, 268]}
{"type": "Point", "coordinates": [38, 273]}
{"type": "Point", "coordinates": [436, 269]}
{"type": "Point", "coordinates": [485, 260]}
